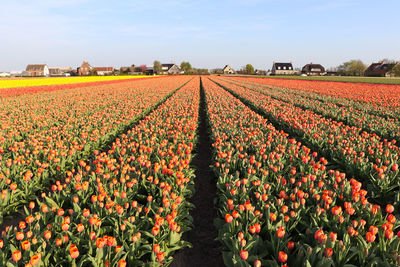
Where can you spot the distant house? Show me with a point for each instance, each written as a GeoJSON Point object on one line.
{"type": "Point", "coordinates": [149, 71]}
{"type": "Point", "coordinates": [228, 70]}
{"type": "Point", "coordinates": [282, 69]}
{"type": "Point", "coordinates": [170, 69]}
{"type": "Point", "coordinates": [85, 69]}
{"type": "Point", "coordinates": [103, 71]}
{"type": "Point", "coordinates": [313, 69]}
{"type": "Point", "coordinates": [380, 69]}
{"type": "Point", "coordinates": [60, 71]}
{"type": "Point", "coordinates": [331, 73]}
{"type": "Point", "coordinates": [55, 71]}
{"type": "Point", "coordinates": [127, 70]}
{"type": "Point", "coordinates": [17, 73]}
{"type": "Point", "coordinates": [37, 70]}
{"type": "Point", "coordinates": [260, 72]}
{"type": "Point", "coordinates": [5, 74]}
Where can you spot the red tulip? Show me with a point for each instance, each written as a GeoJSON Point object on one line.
{"type": "Point", "coordinates": [244, 254]}
{"type": "Point", "coordinates": [282, 257]}
{"type": "Point", "coordinates": [328, 252]}
{"type": "Point", "coordinates": [16, 255]}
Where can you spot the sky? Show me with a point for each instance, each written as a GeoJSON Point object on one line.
{"type": "Point", "coordinates": [208, 34]}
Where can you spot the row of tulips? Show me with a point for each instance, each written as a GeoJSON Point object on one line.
{"type": "Point", "coordinates": [360, 153]}
{"type": "Point", "coordinates": [38, 143]}
{"type": "Point", "coordinates": [375, 95]}
{"type": "Point", "coordinates": [126, 207]}
{"type": "Point", "coordinates": [280, 206]}
{"type": "Point", "coordinates": [373, 108]}
{"type": "Point", "coordinates": [388, 128]}
{"type": "Point", "coordinates": [35, 84]}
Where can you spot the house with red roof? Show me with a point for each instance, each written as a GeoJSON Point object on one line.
{"type": "Point", "coordinates": [380, 69]}
{"type": "Point", "coordinates": [86, 69]}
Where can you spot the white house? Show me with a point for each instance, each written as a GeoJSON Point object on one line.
{"type": "Point", "coordinates": [282, 69]}
{"type": "Point", "coordinates": [228, 70]}
{"type": "Point", "coordinates": [170, 69]}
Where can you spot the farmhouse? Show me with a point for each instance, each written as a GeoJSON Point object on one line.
{"type": "Point", "coordinates": [228, 70]}
{"type": "Point", "coordinates": [103, 71]}
{"type": "Point", "coordinates": [170, 69]}
{"type": "Point", "coordinates": [380, 69]}
{"type": "Point", "coordinates": [85, 69]}
{"type": "Point", "coordinates": [313, 69]}
{"type": "Point", "coordinates": [282, 68]}
{"type": "Point", "coordinates": [37, 70]}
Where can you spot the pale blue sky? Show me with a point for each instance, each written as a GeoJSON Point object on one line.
{"type": "Point", "coordinates": [208, 34]}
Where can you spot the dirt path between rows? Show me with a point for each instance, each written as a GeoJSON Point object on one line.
{"type": "Point", "coordinates": [206, 251]}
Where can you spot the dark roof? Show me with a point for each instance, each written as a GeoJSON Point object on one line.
{"type": "Point", "coordinates": [35, 67]}
{"type": "Point", "coordinates": [167, 65]}
{"type": "Point", "coordinates": [379, 68]}
{"type": "Point", "coordinates": [311, 66]}
{"type": "Point", "coordinates": [287, 65]}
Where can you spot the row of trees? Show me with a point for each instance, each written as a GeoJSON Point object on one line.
{"type": "Point", "coordinates": [187, 68]}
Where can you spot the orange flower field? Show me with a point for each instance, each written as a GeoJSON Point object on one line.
{"type": "Point", "coordinates": [104, 174]}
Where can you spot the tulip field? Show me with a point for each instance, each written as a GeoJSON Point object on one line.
{"type": "Point", "coordinates": [102, 174]}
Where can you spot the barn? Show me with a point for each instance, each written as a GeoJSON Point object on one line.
{"type": "Point", "coordinates": [33, 70]}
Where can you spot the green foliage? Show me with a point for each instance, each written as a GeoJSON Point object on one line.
{"type": "Point", "coordinates": [396, 70]}
{"type": "Point", "coordinates": [186, 67]}
{"type": "Point", "coordinates": [157, 66]}
{"type": "Point", "coordinates": [353, 67]}
{"type": "Point", "coordinates": [249, 69]}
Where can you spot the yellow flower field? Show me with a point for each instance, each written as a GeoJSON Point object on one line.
{"type": "Point", "coordinates": [25, 82]}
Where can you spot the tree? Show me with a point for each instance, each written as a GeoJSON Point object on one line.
{"type": "Point", "coordinates": [157, 67]}
{"type": "Point", "coordinates": [396, 70]}
{"type": "Point", "coordinates": [143, 68]}
{"type": "Point", "coordinates": [249, 69]}
{"type": "Point", "coordinates": [353, 67]}
{"type": "Point", "coordinates": [200, 71]}
{"type": "Point", "coordinates": [186, 67]}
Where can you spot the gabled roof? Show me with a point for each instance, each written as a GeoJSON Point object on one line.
{"type": "Point", "coordinates": [169, 65]}
{"type": "Point", "coordinates": [86, 64]}
{"type": "Point", "coordinates": [287, 65]}
{"type": "Point", "coordinates": [311, 66]}
{"type": "Point", "coordinates": [379, 68]}
{"type": "Point", "coordinates": [36, 67]}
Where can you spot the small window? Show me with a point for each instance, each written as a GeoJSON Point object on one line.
{"type": "Point", "coordinates": [279, 68]}
{"type": "Point", "coordinates": [284, 67]}
{"type": "Point", "coordinates": [290, 68]}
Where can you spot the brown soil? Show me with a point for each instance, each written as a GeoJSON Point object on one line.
{"type": "Point", "coordinates": [206, 251]}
